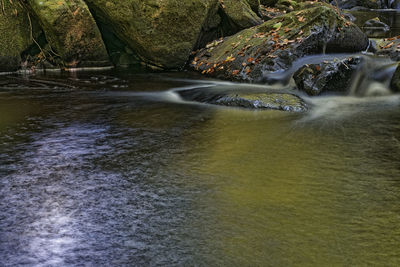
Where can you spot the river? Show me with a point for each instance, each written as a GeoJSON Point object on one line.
{"type": "Point", "coordinates": [107, 169]}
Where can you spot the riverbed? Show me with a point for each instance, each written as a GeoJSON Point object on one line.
{"type": "Point", "coordinates": [106, 169]}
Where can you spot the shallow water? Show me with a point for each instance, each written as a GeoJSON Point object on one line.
{"type": "Point", "coordinates": [114, 170]}
{"type": "Point", "coordinates": [390, 17]}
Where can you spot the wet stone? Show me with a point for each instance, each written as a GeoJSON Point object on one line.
{"type": "Point", "coordinates": [375, 27]}
{"type": "Point", "coordinates": [278, 101]}
{"type": "Point", "coordinates": [328, 76]}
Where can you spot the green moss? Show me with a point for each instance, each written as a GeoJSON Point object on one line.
{"type": "Point", "coordinates": [240, 12]}
{"type": "Point", "coordinates": [71, 31]}
{"type": "Point", "coordinates": [162, 33]}
{"type": "Point", "coordinates": [275, 44]}
{"type": "Point", "coordinates": [15, 35]}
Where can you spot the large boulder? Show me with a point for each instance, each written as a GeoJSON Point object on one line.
{"type": "Point", "coordinates": [254, 53]}
{"type": "Point", "coordinates": [161, 33]}
{"type": "Point", "coordinates": [15, 35]}
{"type": "Point", "coordinates": [71, 32]}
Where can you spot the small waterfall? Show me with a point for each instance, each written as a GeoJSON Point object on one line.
{"type": "Point", "coordinates": [372, 77]}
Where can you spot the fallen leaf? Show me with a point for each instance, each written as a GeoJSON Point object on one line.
{"type": "Point", "coordinates": [388, 45]}
{"type": "Point", "coordinates": [301, 19]}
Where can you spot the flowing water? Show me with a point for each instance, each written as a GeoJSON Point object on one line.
{"type": "Point", "coordinates": [113, 169]}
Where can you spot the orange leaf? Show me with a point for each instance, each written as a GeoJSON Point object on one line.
{"type": "Point", "coordinates": [388, 45]}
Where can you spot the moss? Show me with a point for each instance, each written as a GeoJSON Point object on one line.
{"type": "Point", "coordinates": [240, 12]}
{"type": "Point", "coordinates": [15, 35]}
{"type": "Point", "coordinates": [284, 102]}
{"type": "Point", "coordinates": [275, 44]}
{"type": "Point", "coordinates": [71, 31]}
{"type": "Point", "coordinates": [254, 4]}
{"type": "Point", "coordinates": [162, 33]}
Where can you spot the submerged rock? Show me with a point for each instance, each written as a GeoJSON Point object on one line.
{"type": "Point", "coordinates": [71, 32]}
{"type": "Point", "coordinates": [328, 76]}
{"type": "Point", "coordinates": [15, 35]}
{"type": "Point", "coordinates": [278, 101]}
{"type": "Point", "coordinates": [252, 54]}
{"type": "Point", "coordinates": [249, 100]}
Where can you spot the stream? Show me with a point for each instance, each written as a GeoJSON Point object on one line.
{"type": "Point", "coordinates": [112, 169]}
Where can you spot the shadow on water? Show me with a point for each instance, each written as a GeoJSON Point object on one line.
{"type": "Point", "coordinates": [121, 169]}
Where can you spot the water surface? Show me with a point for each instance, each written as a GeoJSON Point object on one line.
{"type": "Point", "coordinates": [110, 170]}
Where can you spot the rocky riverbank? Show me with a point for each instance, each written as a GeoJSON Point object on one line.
{"type": "Point", "coordinates": [240, 40]}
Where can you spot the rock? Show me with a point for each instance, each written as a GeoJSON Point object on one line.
{"type": "Point", "coordinates": [374, 27]}
{"type": "Point", "coordinates": [249, 100]}
{"type": "Point", "coordinates": [254, 4]}
{"type": "Point", "coordinates": [15, 35]}
{"type": "Point", "coordinates": [252, 54]}
{"type": "Point", "coordinates": [283, 101]}
{"type": "Point", "coordinates": [287, 5]}
{"type": "Point", "coordinates": [240, 13]}
{"type": "Point", "coordinates": [395, 82]}
{"type": "Point", "coordinates": [268, 13]}
{"type": "Point", "coordinates": [71, 31]}
{"type": "Point", "coordinates": [388, 47]}
{"type": "Point", "coordinates": [161, 33]}
{"type": "Point", "coordinates": [328, 76]}
{"type": "Point", "coordinates": [367, 4]}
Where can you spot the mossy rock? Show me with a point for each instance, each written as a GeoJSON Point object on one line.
{"type": "Point", "coordinates": [15, 35]}
{"type": "Point", "coordinates": [161, 32]}
{"type": "Point", "coordinates": [254, 4]}
{"type": "Point", "coordinates": [283, 101]}
{"type": "Point", "coordinates": [274, 45]}
{"type": "Point", "coordinates": [387, 47]}
{"type": "Point", "coordinates": [240, 12]}
{"type": "Point", "coordinates": [71, 31]}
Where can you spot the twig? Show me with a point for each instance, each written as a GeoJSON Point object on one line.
{"type": "Point", "coordinates": [31, 28]}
